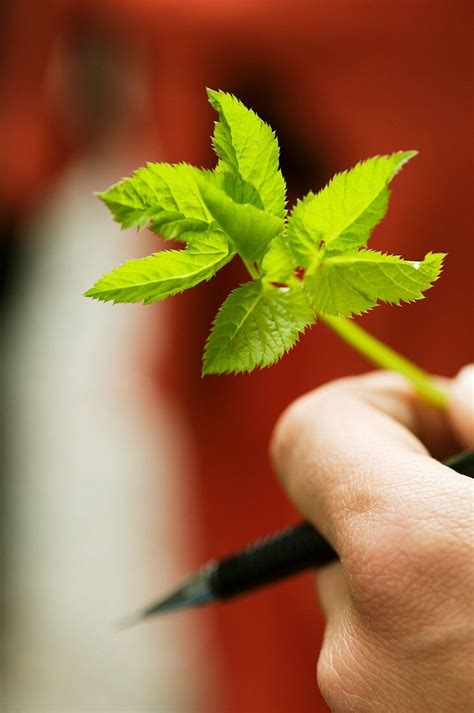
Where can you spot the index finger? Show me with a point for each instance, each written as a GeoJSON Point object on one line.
{"type": "Point", "coordinates": [358, 448]}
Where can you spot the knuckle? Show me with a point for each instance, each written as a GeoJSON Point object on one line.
{"type": "Point", "coordinates": [285, 432]}
{"type": "Point", "coordinates": [329, 679]}
{"type": "Point", "coordinates": [304, 414]}
{"type": "Point", "coordinates": [376, 566]}
{"type": "Point", "coordinates": [344, 674]}
{"type": "Point", "coordinates": [295, 434]}
{"type": "Point", "coordinates": [396, 564]}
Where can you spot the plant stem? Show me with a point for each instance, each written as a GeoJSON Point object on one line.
{"type": "Point", "coordinates": [387, 358]}
{"type": "Point", "coordinates": [250, 268]}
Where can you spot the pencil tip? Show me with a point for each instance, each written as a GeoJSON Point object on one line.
{"type": "Point", "coordinates": [129, 621]}
{"type": "Point", "coordinates": [195, 591]}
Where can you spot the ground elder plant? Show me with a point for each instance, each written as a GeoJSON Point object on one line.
{"type": "Point", "coordinates": [309, 263]}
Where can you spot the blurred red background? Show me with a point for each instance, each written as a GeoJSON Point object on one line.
{"type": "Point", "coordinates": [339, 80]}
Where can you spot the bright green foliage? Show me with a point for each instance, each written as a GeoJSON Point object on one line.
{"type": "Point", "coordinates": [162, 194]}
{"type": "Point", "coordinates": [173, 225]}
{"type": "Point", "coordinates": [248, 147]}
{"type": "Point", "coordinates": [346, 211]}
{"type": "Point", "coordinates": [255, 326]}
{"type": "Point", "coordinates": [353, 282]}
{"type": "Point", "coordinates": [236, 188]}
{"type": "Point", "coordinates": [250, 229]}
{"type": "Point", "coordinates": [163, 274]}
{"type": "Point", "coordinates": [303, 241]}
{"type": "Point", "coordinates": [312, 263]}
{"type": "Point", "coordinates": [279, 263]}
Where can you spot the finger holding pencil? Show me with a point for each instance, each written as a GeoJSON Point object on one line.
{"type": "Point", "coordinates": [355, 458]}
{"type": "Point", "coordinates": [300, 547]}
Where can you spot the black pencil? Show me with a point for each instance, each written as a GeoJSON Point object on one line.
{"type": "Point", "coordinates": [270, 559]}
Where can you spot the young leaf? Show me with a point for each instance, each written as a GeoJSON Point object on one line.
{"type": "Point", "coordinates": [236, 188]}
{"type": "Point", "coordinates": [346, 211]}
{"type": "Point", "coordinates": [255, 326]}
{"type": "Point", "coordinates": [240, 207]}
{"type": "Point", "coordinates": [161, 193]}
{"type": "Point", "coordinates": [353, 282]}
{"type": "Point", "coordinates": [248, 147]}
{"type": "Point", "coordinates": [303, 238]}
{"type": "Point", "coordinates": [165, 273]}
{"type": "Point", "coordinates": [279, 264]}
{"type": "Point", "coordinates": [250, 229]}
{"type": "Point", "coordinates": [172, 225]}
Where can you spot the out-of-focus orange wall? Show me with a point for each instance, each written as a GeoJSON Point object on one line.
{"type": "Point", "coordinates": [339, 80]}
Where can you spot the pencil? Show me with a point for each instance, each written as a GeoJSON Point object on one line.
{"type": "Point", "coordinates": [270, 559]}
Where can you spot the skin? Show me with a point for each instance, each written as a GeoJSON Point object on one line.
{"type": "Point", "coordinates": [355, 458]}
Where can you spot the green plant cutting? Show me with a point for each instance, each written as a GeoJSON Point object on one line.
{"type": "Point", "coordinates": [308, 263]}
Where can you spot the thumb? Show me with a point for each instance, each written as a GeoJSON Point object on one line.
{"type": "Point", "coordinates": [461, 406]}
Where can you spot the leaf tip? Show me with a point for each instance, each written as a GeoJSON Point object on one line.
{"type": "Point", "coordinates": [92, 294]}
{"type": "Point", "coordinates": [213, 97]}
{"type": "Point", "coordinates": [101, 195]}
{"type": "Point", "coordinates": [204, 370]}
{"type": "Point", "coordinates": [208, 369]}
{"type": "Point", "coordinates": [405, 156]}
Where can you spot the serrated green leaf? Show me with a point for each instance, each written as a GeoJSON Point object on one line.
{"type": "Point", "coordinates": [239, 190]}
{"type": "Point", "coordinates": [165, 273]}
{"type": "Point", "coordinates": [279, 264]}
{"type": "Point", "coordinates": [250, 229]}
{"type": "Point", "coordinates": [303, 239]}
{"type": "Point", "coordinates": [172, 225]}
{"type": "Point", "coordinates": [247, 146]}
{"type": "Point", "coordinates": [346, 211]}
{"type": "Point", "coordinates": [164, 194]}
{"type": "Point", "coordinates": [240, 207]}
{"type": "Point", "coordinates": [255, 326]}
{"type": "Point", "coordinates": [353, 282]}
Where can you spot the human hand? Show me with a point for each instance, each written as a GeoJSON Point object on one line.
{"type": "Point", "coordinates": [354, 457]}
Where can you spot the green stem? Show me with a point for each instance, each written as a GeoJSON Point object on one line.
{"type": "Point", "coordinates": [387, 358]}
{"type": "Point", "coordinates": [250, 268]}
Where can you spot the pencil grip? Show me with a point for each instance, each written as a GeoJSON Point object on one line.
{"type": "Point", "coordinates": [289, 551]}
{"type": "Point", "coordinates": [286, 552]}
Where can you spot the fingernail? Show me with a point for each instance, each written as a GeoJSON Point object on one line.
{"type": "Point", "coordinates": [463, 386]}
